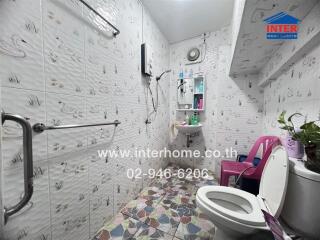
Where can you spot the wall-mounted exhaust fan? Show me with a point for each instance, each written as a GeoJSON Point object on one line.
{"type": "Point", "coordinates": [198, 53]}
{"type": "Point", "coordinates": [193, 54]}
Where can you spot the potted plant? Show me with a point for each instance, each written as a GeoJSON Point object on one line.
{"type": "Point", "coordinates": [308, 135]}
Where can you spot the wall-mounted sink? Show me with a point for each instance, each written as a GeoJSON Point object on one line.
{"type": "Point", "coordinates": [189, 129]}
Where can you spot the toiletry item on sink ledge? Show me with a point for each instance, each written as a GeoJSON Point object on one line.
{"type": "Point", "coordinates": [190, 120]}
{"type": "Point", "coordinates": [180, 123]}
{"type": "Point", "coordinates": [187, 120]}
{"type": "Point", "coordinates": [195, 118]}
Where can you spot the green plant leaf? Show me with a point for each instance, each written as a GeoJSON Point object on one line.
{"type": "Point", "coordinates": [295, 114]}
{"type": "Point", "coordinates": [288, 128]}
{"type": "Point", "coordinates": [310, 131]}
{"type": "Point", "coordinates": [281, 119]}
{"type": "Point", "coordinates": [307, 126]}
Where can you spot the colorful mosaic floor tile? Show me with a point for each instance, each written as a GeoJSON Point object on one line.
{"type": "Point", "coordinates": [139, 208]}
{"type": "Point", "coordinates": [164, 219]}
{"type": "Point", "coordinates": [182, 205]}
{"type": "Point", "coordinates": [149, 233]}
{"type": "Point", "coordinates": [152, 193]}
{"type": "Point", "coordinates": [165, 210]}
{"type": "Point", "coordinates": [120, 227]}
{"type": "Point", "coordinates": [181, 186]}
{"type": "Point", "coordinates": [196, 226]}
{"type": "Point", "coordinates": [163, 183]}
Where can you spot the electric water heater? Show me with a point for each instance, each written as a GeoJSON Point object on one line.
{"type": "Point", "coordinates": [146, 60]}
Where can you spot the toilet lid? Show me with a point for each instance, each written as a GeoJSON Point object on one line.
{"type": "Point", "coordinates": [274, 180]}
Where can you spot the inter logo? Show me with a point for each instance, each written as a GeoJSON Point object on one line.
{"type": "Point", "coordinates": [282, 26]}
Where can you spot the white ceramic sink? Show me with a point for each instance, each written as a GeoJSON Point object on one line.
{"type": "Point", "coordinates": [189, 129]}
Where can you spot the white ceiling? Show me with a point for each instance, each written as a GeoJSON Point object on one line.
{"type": "Point", "coordinates": [182, 19]}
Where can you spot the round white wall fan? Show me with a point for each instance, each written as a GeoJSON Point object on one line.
{"type": "Point", "coordinates": [193, 54]}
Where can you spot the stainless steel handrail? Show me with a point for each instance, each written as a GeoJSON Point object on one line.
{"type": "Point", "coordinates": [27, 162]}
{"type": "Point", "coordinates": [116, 30]}
{"type": "Point", "coordinates": [40, 127]}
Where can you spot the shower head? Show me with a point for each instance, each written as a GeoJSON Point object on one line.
{"type": "Point", "coordinates": [159, 77]}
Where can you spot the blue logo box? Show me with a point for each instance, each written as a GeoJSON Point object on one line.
{"type": "Point", "coordinates": [282, 36]}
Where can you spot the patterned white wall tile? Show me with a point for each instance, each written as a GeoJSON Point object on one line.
{"type": "Point", "coordinates": [99, 72]}
{"type": "Point", "coordinates": [65, 109]}
{"type": "Point", "coordinates": [101, 211]}
{"type": "Point", "coordinates": [30, 233]}
{"type": "Point", "coordinates": [101, 172]}
{"type": "Point", "coordinates": [31, 105]}
{"type": "Point", "coordinates": [19, 226]}
{"type": "Point", "coordinates": [64, 47]}
{"type": "Point", "coordinates": [63, 17]}
{"type": "Point", "coordinates": [64, 64]}
{"type": "Point", "coordinates": [69, 195]}
{"type": "Point", "coordinates": [72, 226]}
{"type": "Point", "coordinates": [89, 77]}
{"type": "Point", "coordinates": [296, 90]}
{"type": "Point", "coordinates": [21, 45]}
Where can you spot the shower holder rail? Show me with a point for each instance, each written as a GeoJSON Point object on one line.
{"type": "Point", "coordinates": [116, 30]}
{"type": "Point", "coordinates": [40, 127]}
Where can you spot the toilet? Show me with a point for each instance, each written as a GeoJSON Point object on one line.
{"type": "Point", "coordinates": [302, 198]}
{"type": "Point", "coordinates": [237, 213]}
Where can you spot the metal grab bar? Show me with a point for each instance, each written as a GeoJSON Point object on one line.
{"type": "Point", "coordinates": [116, 32]}
{"type": "Point", "coordinates": [40, 127]}
{"type": "Point", "coordinates": [27, 162]}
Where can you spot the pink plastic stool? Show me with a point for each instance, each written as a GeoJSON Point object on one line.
{"type": "Point", "coordinates": [246, 168]}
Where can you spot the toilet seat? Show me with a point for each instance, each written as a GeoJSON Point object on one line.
{"type": "Point", "coordinates": [232, 203]}
{"type": "Point", "coordinates": [238, 213]}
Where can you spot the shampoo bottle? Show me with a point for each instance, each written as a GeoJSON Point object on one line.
{"type": "Point", "coordinates": [187, 119]}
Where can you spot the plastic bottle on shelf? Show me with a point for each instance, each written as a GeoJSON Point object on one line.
{"type": "Point", "coordinates": [195, 104]}
{"type": "Point", "coordinates": [200, 105]}
{"type": "Point", "coordinates": [200, 88]}
{"type": "Point", "coordinates": [181, 74]}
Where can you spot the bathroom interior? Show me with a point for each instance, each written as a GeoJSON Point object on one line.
{"type": "Point", "coordinates": [159, 119]}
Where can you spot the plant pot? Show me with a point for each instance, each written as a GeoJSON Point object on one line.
{"type": "Point", "coordinates": [313, 157]}
{"type": "Point", "coordinates": [295, 149]}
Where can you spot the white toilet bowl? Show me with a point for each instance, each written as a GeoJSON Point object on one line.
{"type": "Point", "coordinates": [237, 213]}
{"type": "Point", "coordinates": [234, 211]}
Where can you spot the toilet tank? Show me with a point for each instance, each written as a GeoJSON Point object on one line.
{"type": "Point", "coordinates": [302, 203]}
